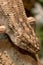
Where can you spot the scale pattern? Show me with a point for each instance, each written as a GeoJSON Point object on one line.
{"type": "Point", "coordinates": [17, 25]}
{"type": "Point", "coordinates": [11, 55]}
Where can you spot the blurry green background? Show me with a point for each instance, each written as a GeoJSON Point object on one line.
{"type": "Point", "coordinates": [35, 8]}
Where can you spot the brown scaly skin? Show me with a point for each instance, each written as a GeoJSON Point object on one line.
{"type": "Point", "coordinates": [11, 55]}
{"type": "Point", "coordinates": [30, 19]}
{"type": "Point", "coordinates": [17, 27]}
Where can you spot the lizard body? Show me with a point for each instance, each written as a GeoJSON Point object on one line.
{"type": "Point", "coordinates": [17, 27]}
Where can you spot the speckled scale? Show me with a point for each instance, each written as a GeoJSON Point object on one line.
{"type": "Point", "coordinates": [20, 32]}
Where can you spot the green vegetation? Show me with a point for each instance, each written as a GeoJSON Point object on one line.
{"type": "Point", "coordinates": [41, 2]}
